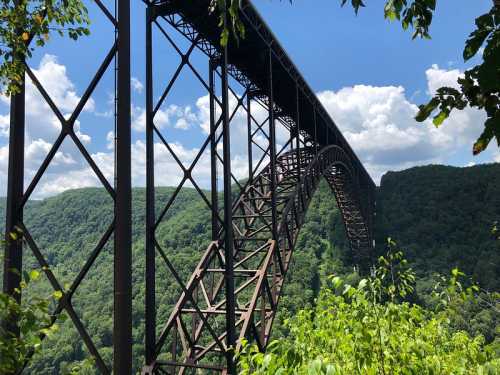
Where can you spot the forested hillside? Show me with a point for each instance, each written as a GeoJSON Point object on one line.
{"type": "Point", "coordinates": [442, 216]}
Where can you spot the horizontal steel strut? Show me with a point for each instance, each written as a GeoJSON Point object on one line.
{"type": "Point", "coordinates": [194, 335]}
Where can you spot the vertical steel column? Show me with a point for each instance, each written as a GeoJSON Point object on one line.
{"type": "Point", "coordinates": [213, 153]}
{"type": "Point", "coordinates": [228, 221]}
{"type": "Point", "coordinates": [297, 122]}
{"type": "Point", "coordinates": [13, 249]}
{"type": "Point", "coordinates": [249, 139]}
{"type": "Point", "coordinates": [272, 141]}
{"type": "Point", "coordinates": [150, 308]}
{"type": "Point", "coordinates": [122, 329]}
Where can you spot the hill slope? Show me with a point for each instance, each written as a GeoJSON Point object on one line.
{"type": "Point", "coordinates": [442, 217]}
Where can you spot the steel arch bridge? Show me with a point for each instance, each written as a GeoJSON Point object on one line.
{"type": "Point", "coordinates": [234, 291]}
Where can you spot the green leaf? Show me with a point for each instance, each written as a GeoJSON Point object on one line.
{"type": "Point", "coordinates": [57, 294]}
{"type": "Point", "coordinates": [475, 41]}
{"type": "Point", "coordinates": [224, 37]}
{"type": "Point", "coordinates": [362, 283]}
{"type": "Point", "coordinates": [488, 75]}
{"type": "Point", "coordinates": [426, 110]}
{"type": "Point", "coordinates": [438, 120]}
{"type": "Point", "coordinates": [34, 274]}
{"type": "Point", "coordinates": [491, 129]}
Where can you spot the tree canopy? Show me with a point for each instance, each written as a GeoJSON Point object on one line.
{"type": "Point", "coordinates": [371, 328]}
{"type": "Point", "coordinates": [414, 208]}
{"type": "Point", "coordinates": [26, 25]}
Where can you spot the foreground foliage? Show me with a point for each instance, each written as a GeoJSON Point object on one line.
{"type": "Point", "coordinates": [372, 329]}
{"type": "Point", "coordinates": [33, 321]}
{"type": "Point", "coordinates": [26, 25]}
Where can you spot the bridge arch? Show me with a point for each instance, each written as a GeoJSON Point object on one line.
{"type": "Point", "coordinates": [193, 337]}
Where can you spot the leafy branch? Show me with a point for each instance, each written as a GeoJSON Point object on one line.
{"type": "Point", "coordinates": [479, 87]}
{"type": "Point", "coordinates": [32, 318]}
{"type": "Point", "coordinates": [26, 24]}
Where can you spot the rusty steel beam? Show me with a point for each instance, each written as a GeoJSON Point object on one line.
{"type": "Point", "coordinates": [261, 261]}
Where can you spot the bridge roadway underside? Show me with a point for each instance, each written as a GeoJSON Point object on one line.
{"type": "Point", "coordinates": [195, 335]}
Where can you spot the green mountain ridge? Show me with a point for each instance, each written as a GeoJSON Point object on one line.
{"type": "Point", "coordinates": [441, 216]}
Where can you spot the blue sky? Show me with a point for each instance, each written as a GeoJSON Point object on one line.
{"type": "Point", "coordinates": [368, 73]}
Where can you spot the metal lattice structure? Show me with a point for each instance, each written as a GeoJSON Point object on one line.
{"type": "Point", "coordinates": [260, 260]}
{"type": "Point", "coordinates": [119, 230]}
{"type": "Point", "coordinates": [234, 291]}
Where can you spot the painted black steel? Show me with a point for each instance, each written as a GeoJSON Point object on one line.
{"type": "Point", "coordinates": [264, 228]}
{"type": "Point", "coordinates": [150, 302]}
{"type": "Point", "coordinates": [121, 194]}
{"type": "Point", "coordinates": [228, 218]}
{"type": "Point", "coordinates": [13, 259]}
{"type": "Point", "coordinates": [213, 153]}
{"type": "Point", "coordinates": [272, 144]}
{"type": "Point", "coordinates": [249, 55]}
{"type": "Point", "coordinates": [122, 324]}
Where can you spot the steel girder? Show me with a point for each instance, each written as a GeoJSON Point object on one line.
{"type": "Point", "coordinates": [261, 148]}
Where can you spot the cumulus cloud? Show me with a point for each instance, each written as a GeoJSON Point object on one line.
{"type": "Point", "coordinates": [41, 122]}
{"type": "Point", "coordinates": [437, 77]}
{"type": "Point", "coordinates": [137, 85]}
{"type": "Point", "coordinates": [173, 116]}
{"type": "Point", "coordinates": [42, 126]}
{"type": "Point", "coordinates": [4, 125]}
{"type": "Point", "coordinates": [379, 124]}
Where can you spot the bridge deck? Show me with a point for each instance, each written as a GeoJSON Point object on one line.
{"type": "Point", "coordinates": [250, 56]}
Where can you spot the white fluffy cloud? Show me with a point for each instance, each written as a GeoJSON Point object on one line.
{"type": "Point", "coordinates": [379, 124]}
{"type": "Point", "coordinates": [42, 126]}
{"type": "Point", "coordinates": [173, 116]}
{"type": "Point", "coordinates": [496, 157]}
{"type": "Point", "coordinates": [40, 120]}
{"type": "Point", "coordinates": [137, 85]}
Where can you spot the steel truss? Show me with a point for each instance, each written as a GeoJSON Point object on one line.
{"type": "Point", "coordinates": [234, 291]}
{"type": "Point", "coordinates": [260, 260]}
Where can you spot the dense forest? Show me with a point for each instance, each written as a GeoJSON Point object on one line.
{"type": "Point", "coordinates": [441, 216]}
